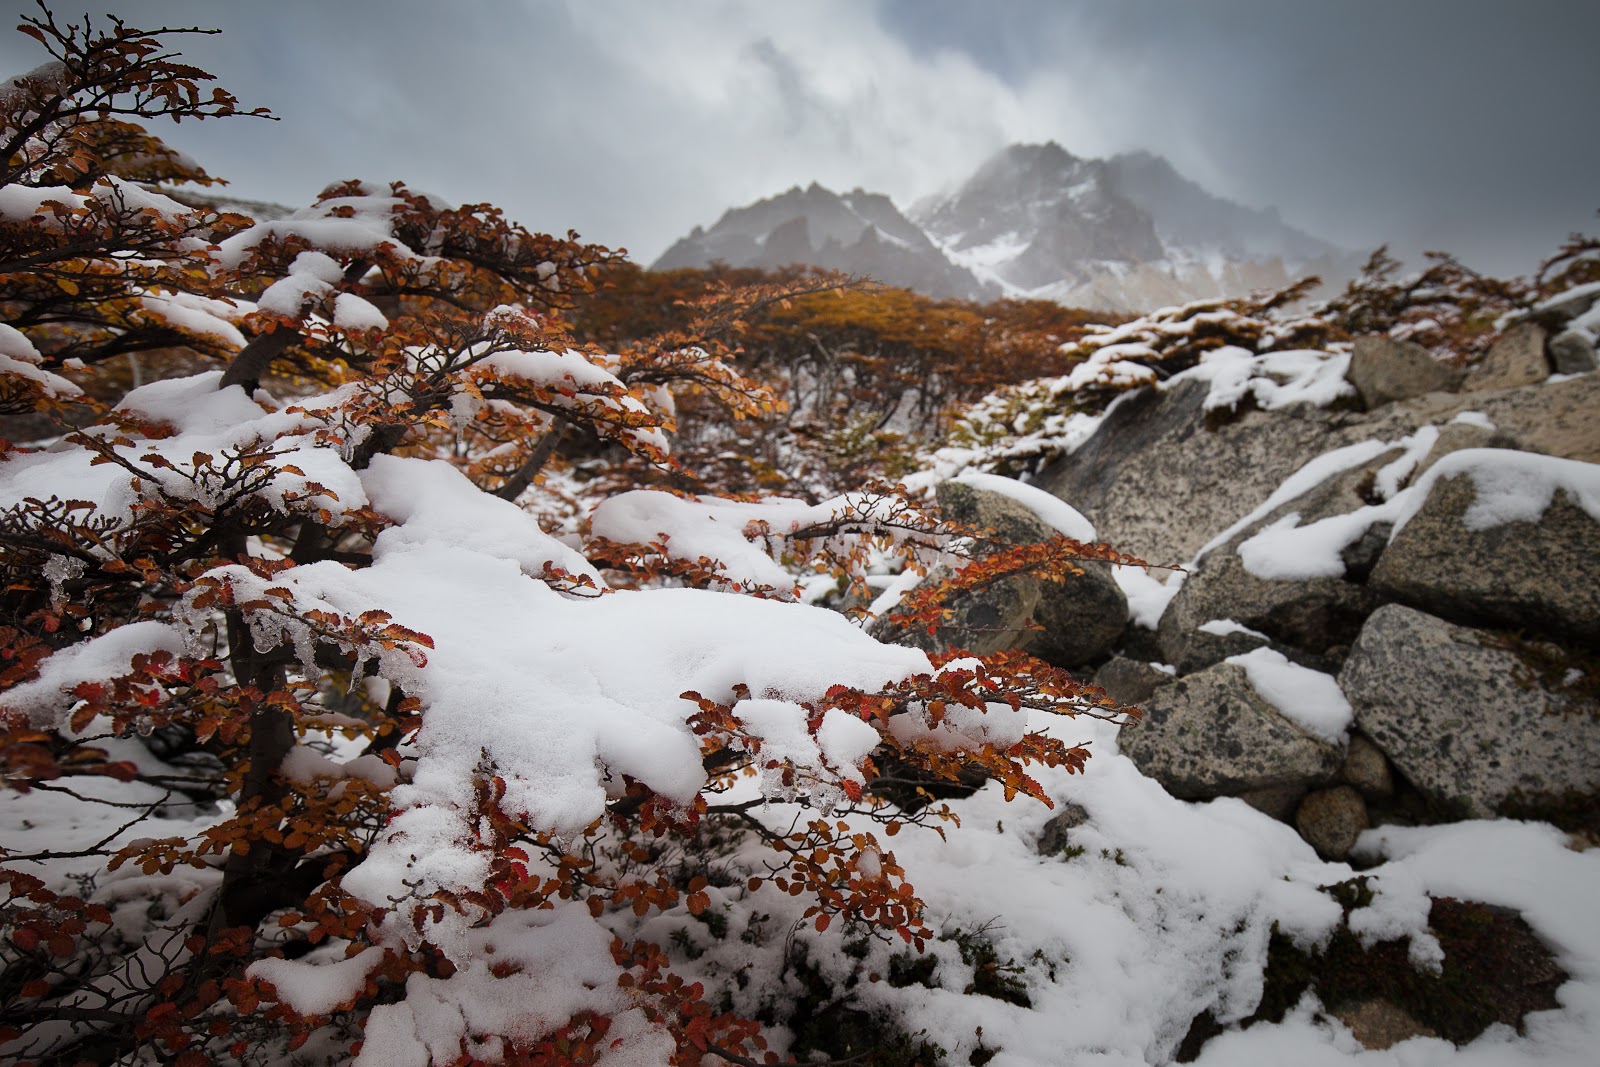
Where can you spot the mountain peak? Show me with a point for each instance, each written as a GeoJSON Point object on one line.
{"type": "Point", "coordinates": [1034, 220]}
{"type": "Point", "coordinates": [860, 233]}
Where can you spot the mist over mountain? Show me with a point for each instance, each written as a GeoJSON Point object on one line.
{"type": "Point", "coordinates": [858, 232]}
{"type": "Point", "coordinates": [1189, 218]}
{"type": "Point", "coordinates": [1033, 221]}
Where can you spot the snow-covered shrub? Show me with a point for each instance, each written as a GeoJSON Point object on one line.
{"type": "Point", "coordinates": [1453, 311]}
{"type": "Point", "coordinates": [1021, 426]}
{"type": "Point", "coordinates": [319, 744]}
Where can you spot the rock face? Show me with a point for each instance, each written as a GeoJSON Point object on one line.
{"type": "Point", "coordinates": [1081, 618]}
{"type": "Point", "coordinates": [1056, 836]}
{"type": "Point", "coordinates": [1211, 734]}
{"type": "Point", "coordinates": [1516, 359]}
{"type": "Point", "coordinates": [996, 618]}
{"type": "Point", "coordinates": [1467, 718]}
{"type": "Point", "coordinates": [1068, 623]}
{"type": "Point", "coordinates": [1316, 615]}
{"type": "Point", "coordinates": [1542, 576]}
{"type": "Point", "coordinates": [1384, 371]}
{"type": "Point", "coordinates": [1572, 352]}
{"type": "Point", "coordinates": [1126, 233]}
{"type": "Point", "coordinates": [1129, 681]}
{"type": "Point", "coordinates": [858, 232]}
{"type": "Point", "coordinates": [1065, 212]}
{"type": "Point", "coordinates": [1157, 482]}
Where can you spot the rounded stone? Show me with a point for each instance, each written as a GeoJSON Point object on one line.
{"type": "Point", "coordinates": [1367, 768]}
{"type": "Point", "coordinates": [1331, 819]}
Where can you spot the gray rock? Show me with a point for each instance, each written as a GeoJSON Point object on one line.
{"type": "Point", "coordinates": [1384, 371]}
{"type": "Point", "coordinates": [1455, 436]}
{"type": "Point", "coordinates": [1009, 521]}
{"type": "Point", "coordinates": [1367, 768]}
{"type": "Point", "coordinates": [1129, 681]}
{"type": "Point", "coordinates": [1572, 352]}
{"type": "Point", "coordinates": [1158, 483]}
{"type": "Point", "coordinates": [1362, 554]}
{"type": "Point", "coordinates": [1082, 618]}
{"type": "Point", "coordinates": [1158, 480]}
{"type": "Point", "coordinates": [1056, 836]}
{"type": "Point", "coordinates": [1331, 819]}
{"type": "Point", "coordinates": [1319, 615]}
{"type": "Point", "coordinates": [1466, 718]}
{"type": "Point", "coordinates": [1211, 734]}
{"type": "Point", "coordinates": [1514, 360]}
{"type": "Point", "coordinates": [1556, 419]}
{"type": "Point", "coordinates": [1565, 307]}
{"type": "Point", "coordinates": [1543, 576]}
{"type": "Point", "coordinates": [1198, 649]}
{"type": "Point", "coordinates": [1278, 802]}
{"type": "Point", "coordinates": [996, 618]}
{"type": "Point", "coordinates": [1068, 623]}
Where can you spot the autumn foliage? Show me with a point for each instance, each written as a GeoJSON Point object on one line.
{"type": "Point", "coordinates": [286, 641]}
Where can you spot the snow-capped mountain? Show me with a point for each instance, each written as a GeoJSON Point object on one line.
{"type": "Point", "coordinates": [1127, 233]}
{"type": "Point", "coordinates": [1035, 216]}
{"type": "Point", "coordinates": [858, 232]}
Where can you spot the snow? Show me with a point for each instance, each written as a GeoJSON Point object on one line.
{"type": "Point", "coordinates": [1163, 911]}
{"type": "Point", "coordinates": [19, 357]}
{"type": "Point", "coordinates": [1148, 596]}
{"type": "Point", "coordinates": [1310, 475]}
{"type": "Point", "coordinates": [572, 380]}
{"type": "Point", "coordinates": [1391, 476]}
{"type": "Point", "coordinates": [21, 203]}
{"type": "Point", "coordinates": [47, 699]}
{"type": "Point", "coordinates": [708, 527]}
{"type": "Point", "coordinates": [433, 503]}
{"type": "Point", "coordinates": [1224, 627]}
{"type": "Point", "coordinates": [198, 315]}
{"type": "Point", "coordinates": [1473, 418]}
{"type": "Point", "coordinates": [778, 729]}
{"type": "Point", "coordinates": [318, 987]}
{"type": "Point", "coordinates": [1307, 377]}
{"type": "Point", "coordinates": [528, 681]}
{"type": "Point", "coordinates": [1050, 509]}
{"type": "Point", "coordinates": [351, 312]}
{"type": "Point", "coordinates": [309, 279]}
{"type": "Point", "coordinates": [1310, 699]}
{"type": "Point", "coordinates": [128, 195]}
{"type": "Point", "coordinates": [1509, 486]}
{"type": "Point", "coordinates": [344, 225]}
{"type": "Point", "coordinates": [1576, 292]}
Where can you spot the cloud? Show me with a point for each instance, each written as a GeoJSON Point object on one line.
{"type": "Point", "coordinates": [1458, 124]}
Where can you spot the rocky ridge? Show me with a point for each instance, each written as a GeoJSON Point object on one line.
{"type": "Point", "coordinates": [1388, 614]}
{"type": "Point", "coordinates": [1033, 221]}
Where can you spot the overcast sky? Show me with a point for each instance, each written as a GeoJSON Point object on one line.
{"type": "Point", "coordinates": [1465, 125]}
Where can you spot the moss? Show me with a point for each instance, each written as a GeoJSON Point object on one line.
{"type": "Point", "coordinates": [1574, 811]}
{"type": "Point", "coordinates": [991, 976]}
{"type": "Point", "coordinates": [828, 1024]}
{"type": "Point", "coordinates": [906, 968]}
{"type": "Point", "coordinates": [1495, 970]}
{"type": "Point", "coordinates": [715, 920]}
{"type": "Point", "coordinates": [845, 1033]}
{"type": "Point", "coordinates": [1570, 673]}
